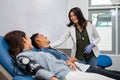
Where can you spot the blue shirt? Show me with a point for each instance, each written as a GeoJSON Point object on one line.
{"type": "Point", "coordinates": [58, 54]}
{"type": "Point", "coordinates": [52, 66]}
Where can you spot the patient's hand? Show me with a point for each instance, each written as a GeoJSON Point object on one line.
{"type": "Point", "coordinates": [54, 78]}
{"type": "Point", "coordinates": [71, 65]}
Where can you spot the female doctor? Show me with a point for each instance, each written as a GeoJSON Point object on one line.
{"type": "Point", "coordinates": [84, 36]}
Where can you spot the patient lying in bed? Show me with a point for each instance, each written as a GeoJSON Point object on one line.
{"type": "Point", "coordinates": [42, 44]}
{"type": "Point", "coordinates": [52, 68]}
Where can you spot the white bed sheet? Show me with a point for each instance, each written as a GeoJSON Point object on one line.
{"type": "Point", "coordinates": [77, 75]}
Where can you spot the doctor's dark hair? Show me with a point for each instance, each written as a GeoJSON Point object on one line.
{"type": "Point", "coordinates": [33, 40]}
{"type": "Point", "coordinates": [14, 40]}
{"type": "Point", "coordinates": [78, 13]}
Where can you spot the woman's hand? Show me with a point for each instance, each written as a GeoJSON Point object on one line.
{"type": "Point", "coordinates": [72, 59]}
{"type": "Point", "coordinates": [71, 65]}
{"type": "Point", "coordinates": [54, 78]}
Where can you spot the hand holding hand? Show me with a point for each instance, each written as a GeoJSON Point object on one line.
{"type": "Point", "coordinates": [71, 65]}
{"type": "Point", "coordinates": [89, 48]}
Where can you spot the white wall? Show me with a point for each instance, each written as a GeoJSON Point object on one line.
{"type": "Point", "coordinates": [82, 4]}
{"type": "Point", "coordinates": [116, 63]}
{"type": "Point", "coordinates": [43, 16]}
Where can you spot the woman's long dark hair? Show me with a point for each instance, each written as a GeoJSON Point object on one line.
{"type": "Point", "coordinates": [81, 20]}
{"type": "Point", "coordinates": [14, 40]}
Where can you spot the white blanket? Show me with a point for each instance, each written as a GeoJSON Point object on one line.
{"type": "Point", "coordinates": [77, 75]}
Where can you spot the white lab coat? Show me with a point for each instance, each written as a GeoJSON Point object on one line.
{"type": "Point", "coordinates": [70, 32]}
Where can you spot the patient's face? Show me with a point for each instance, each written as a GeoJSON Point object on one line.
{"type": "Point", "coordinates": [41, 40]}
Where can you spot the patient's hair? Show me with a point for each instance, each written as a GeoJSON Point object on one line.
{"type": "Point", "coordinates": [33, 40]}
{"type": "Point", "coordinates": [14, 40]}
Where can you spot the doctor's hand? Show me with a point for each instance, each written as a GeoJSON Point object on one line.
{"type": "Point", "coordinates": [89, 48]}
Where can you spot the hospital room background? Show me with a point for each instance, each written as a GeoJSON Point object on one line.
{"type": "Point", "coordinates": [49, 17]}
